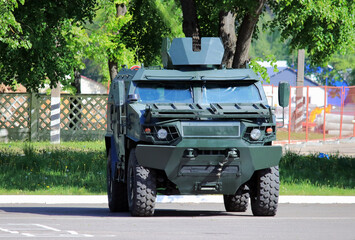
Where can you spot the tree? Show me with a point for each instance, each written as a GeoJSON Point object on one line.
{"type": "Point", "coordinates": [322, 27]}
{"type": "Point", "coordinates": [48, 27]}
{"type": "Point", "coordinates": [268, 42]}
{"type": "Point", "coordinates": [190, 23]}
{"type": "Point", "coordinates": [151, 21]}
{"type": "Point", "coordinates": [10, 29]}
{"type": "Point", "coordinates": [132, 38]}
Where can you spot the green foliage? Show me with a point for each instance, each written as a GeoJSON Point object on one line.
{"type": "Point", "coordinates": [344, 67]}
{"type": "Point", "coordinates": [10, 29]}
{"type": "Point", "coordinates": [48, 169]}
{"type": "Point", "coordinates": [106, 38]}
{"type": "Point", "coordinates": [208, 14]}
{"type": "Point", "coordinates": [269, 42]}
{"type": "Point", "coordinates": [322, 27]}
{"type": "Point", "coordinates": [208, 17]}
{"type": "Point", "coordinates": [337, 171]}
{"type": "Point", "coordinates": [151, 21]}
{"type": "Point", "coordinates": [257, 68]}
{"type": "Point", "coordinates": [48, 26]}
{"type": "Point", "coordinates": [133, 38]}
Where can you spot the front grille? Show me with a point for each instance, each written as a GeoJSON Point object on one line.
{"type": "Point", "coordinates": [214, 129]}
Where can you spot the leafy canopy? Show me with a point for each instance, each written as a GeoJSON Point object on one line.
{"type": "Point", "coordinates": [48, 28]}
{"type": "Point", "coordinates": [130, 39]}
{"type": "Point", "coordinates": [322, 27]}
{"type": "Point", "coordinates": [10, 29]}
{"type": "Point", "coordinates": [151, 21]}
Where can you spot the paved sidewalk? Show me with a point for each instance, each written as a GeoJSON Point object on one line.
{"type": "Point", "coordinates": [344, 147]}
{"type": "Point", "coordinates": [102, 199]}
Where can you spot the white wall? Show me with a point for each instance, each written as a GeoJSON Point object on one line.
{"type": "Point", "coordinates": [88, 86]}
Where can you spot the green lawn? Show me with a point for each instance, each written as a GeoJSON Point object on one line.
{"type": "Point", "coordinates": [283, 135]}
{"type": "Point", "coordinates": [41, 168]}
{"type": "Point", "coordinates": [80, 168]}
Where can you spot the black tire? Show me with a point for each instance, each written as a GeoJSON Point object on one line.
{"type": "Point", "coordinates": [116, 191]}
{"type": "Point", "coordinates": [237, 202]}
{"type": "Point", "coordinates": [141, 188]}
{"type": "Point", "coordinates": [265, 192]}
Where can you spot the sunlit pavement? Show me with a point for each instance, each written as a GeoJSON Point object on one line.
{"type": "Point", "coordinates": [102, 199]}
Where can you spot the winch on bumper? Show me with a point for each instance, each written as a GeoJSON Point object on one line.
{"type": "Point", "coordinates": [212, 166]}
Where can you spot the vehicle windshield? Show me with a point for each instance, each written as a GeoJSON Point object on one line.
{"type": "Point", "coordinates": [230, 93]}
{"type": "Point", "coordinates": [164, 93]}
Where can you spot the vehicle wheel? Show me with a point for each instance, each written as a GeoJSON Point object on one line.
{"type": "Point", "coordinates": [141, 186]}
{"type": "Point", "coordinates": [265, 192]}
{"type": "Point", "coordinates": [116, 191]}
{"type": "Point", "coordinates": [237, 202]}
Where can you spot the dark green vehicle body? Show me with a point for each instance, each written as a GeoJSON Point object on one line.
{"type": "Point", "coordinates": [207, 114]}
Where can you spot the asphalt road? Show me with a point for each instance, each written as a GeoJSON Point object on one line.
{"type": "Point", "coordinates": [176, 221]}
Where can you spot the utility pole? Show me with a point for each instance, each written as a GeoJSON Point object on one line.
{"type": "Point", "coordinates": [299, 91]}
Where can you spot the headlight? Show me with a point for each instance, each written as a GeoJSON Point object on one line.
{"type": "Point", "coordinates": [162, 133]}
{"type": "Point", "coordinates": [255, 134]}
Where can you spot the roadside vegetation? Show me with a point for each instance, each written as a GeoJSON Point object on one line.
{"type": "Point", "coordinates": [41, 168]}
{"type": "Point", "coordinates": [317, 174]}
{"type": "Point", "coordinates": [80, 168]}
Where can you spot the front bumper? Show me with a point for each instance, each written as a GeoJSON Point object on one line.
{"type": "Point", "coordinates": [208, 169]}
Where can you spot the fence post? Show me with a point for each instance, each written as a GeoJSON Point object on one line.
{"type": "Point", "coordinates": [342, 97]}
{"type": "Point", "coordinates": [289, 117]}
{"type": "Point", "coordinates": [307, 113]}
{"type": "Point", "coordinates": [299, 91]}
{"type": "Point", "coordinates": [34, 118]}
{"type": "Point", "coordinates": [55, 115]}
{"type": "Point", "coordinates": [325, 110]}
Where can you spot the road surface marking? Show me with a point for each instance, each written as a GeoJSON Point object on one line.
{"type": "Point", "coordinates": [46, 227]}
{"type": "Point", "coordinates": [27, 234]}
{"type": "Point", "coordinates": [41, 227]}
{"type": "Point", "coordinates": [8, 231]}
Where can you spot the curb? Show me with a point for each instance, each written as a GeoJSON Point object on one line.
{"type": "Point", "coordinates": [102, 199]}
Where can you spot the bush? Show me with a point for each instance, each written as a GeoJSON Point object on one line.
{"type": "Point", "coordinates": [337, 171]}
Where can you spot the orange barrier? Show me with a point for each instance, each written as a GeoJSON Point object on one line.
{"type": "Point", "coordinates": [328, 113]}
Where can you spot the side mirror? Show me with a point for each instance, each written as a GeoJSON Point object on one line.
{"type": "Point", "coordinates": [284, 94]}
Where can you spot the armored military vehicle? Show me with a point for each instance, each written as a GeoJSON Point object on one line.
{"type": "Point", "coordinates": [192, 127]}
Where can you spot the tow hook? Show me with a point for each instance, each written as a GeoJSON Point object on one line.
{"type": "Point", "coordinates": [231, 154]}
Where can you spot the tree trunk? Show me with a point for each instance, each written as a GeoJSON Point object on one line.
{"type": "Point", "coordinates": [227, 34]}
{"type": "Point", "coordinates": [76, 83]}
{"type": "Point", "coordinates": [121, 10]}
{"type": "Point", "coordinates": [113, 68]}
{"type": "Point", "coordinates": [190, 25]}
{"type": "Point", "coordinates": [245, 35]}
